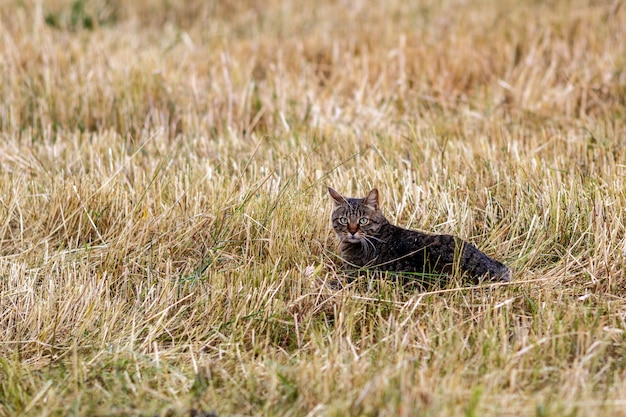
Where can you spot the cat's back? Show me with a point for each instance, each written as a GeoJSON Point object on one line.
{"type": "Point", "coordinates": [409, 240]}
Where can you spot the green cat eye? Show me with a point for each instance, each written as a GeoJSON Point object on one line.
{"type": "Point", "coordinates": [363, 220]}
{"type": "Point", "coordinates": [343, 220]}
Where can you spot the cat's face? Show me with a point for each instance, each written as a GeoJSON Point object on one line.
{"type": "Point", "coordinates": [355, 219]}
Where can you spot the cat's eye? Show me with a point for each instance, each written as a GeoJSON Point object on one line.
{"type": "Point", "coordinates": [363, 221]}
{"type": "Point", "coordinates": [343, 220]}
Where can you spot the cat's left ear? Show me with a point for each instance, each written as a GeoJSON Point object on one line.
{"type": "Point", "coordinates": [372, 199]}
{"type": "Point", "coordinates": [337, 198]}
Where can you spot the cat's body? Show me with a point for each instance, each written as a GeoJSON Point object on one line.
{"type": "Point", "coordinates": [369, 241]}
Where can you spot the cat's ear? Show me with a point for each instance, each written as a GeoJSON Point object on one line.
{"type": "Point", "coordinates": [337, 198]}
{"type": "Point", "coordinates": [371, 199]}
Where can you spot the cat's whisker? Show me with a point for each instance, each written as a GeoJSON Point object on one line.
{"type": "Point", "coordinates": [375, 238]}
{"type": "Point", "coordinates": [366, 240]}
{"type": "Point", "coordinates": [365, 244]}
{"type": "Point", "coordinates": [364, 247]}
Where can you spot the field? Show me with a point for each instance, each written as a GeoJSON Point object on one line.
{"type": "Point", "coordinates": [165, 243]}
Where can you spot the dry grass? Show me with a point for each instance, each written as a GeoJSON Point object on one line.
{"type": "Point", "coordinates": [164, 233]}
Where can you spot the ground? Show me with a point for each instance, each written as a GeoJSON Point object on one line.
{"type": "Point", "coordinates": [165, 243]}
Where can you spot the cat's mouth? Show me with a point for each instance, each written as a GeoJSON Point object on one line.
{"type": "Point", "coordinates": [351, 238]}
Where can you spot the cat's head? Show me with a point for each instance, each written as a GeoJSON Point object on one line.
{"type": "Point", "coordinates": [356, 219]}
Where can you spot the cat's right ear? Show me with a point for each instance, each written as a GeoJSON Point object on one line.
{"type": "Point", "coordinates": [337, 198]}
{"type": "Point", "coordinates": [372, 199]}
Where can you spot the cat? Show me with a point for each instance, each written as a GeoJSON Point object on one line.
{"type": "Point", "coordinates": [369, 241]}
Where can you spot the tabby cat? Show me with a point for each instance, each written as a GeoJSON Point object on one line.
{"type": "Point", "coordinates": [369, 241]}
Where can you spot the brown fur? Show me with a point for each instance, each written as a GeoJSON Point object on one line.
{"type": "Point", "coordinates": [368, 240]}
